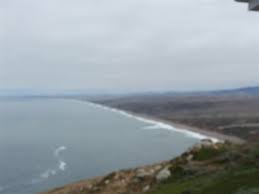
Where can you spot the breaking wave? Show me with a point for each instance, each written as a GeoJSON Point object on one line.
{"type": "Point", "coordinates": [153, 124]}
{"type": "Point", "coordinates": [61, 166]}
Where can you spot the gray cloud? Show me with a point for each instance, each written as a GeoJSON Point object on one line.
{"type": "Point", "coordinates": [129, 45]}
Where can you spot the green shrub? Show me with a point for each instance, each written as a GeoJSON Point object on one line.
{"type": "Point", "coordinates": [207, 153]}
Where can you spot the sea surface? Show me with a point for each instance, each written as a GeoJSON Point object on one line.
{"type": "Point", "coordinates": [45, 143]}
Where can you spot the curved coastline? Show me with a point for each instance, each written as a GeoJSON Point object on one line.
{"type": "Point", "coordinates": [154, 123]}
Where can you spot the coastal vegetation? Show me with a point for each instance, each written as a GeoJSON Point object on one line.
{"type": "Point", "coordinates": [230, 170]}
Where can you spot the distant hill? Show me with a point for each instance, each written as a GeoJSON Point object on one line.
{"type": "Point", "coordinates": [251, 91]}
{"type": "Point", "coordinates": [245, 91]}
{"type": "Point", "coordinates": [254, 91]}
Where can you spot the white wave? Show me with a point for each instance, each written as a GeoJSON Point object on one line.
{"type": "Point", "coordinates": [61, 166]}
{"type": "Point", "coordinates": [59, 150]}
{"type": "Point", "coordinates": [48, 173]}
{"type": "Point", "coordinates": [155, 124]}
{"type": "Point", "coordinates": [151, 127]}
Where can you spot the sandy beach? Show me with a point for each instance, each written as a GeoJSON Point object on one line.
{"type": "Point", "coordinates": [194, 131]}
{"type": "Point", "coordinates": [209, 134]}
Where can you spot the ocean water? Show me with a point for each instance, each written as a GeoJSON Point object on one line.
{"type": "Point", "coordinates": [45, 143]}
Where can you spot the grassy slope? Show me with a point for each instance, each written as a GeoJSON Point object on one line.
{"type": "Point", "coordinates": [239, 174]}
{"type": "Point", "coordinates": [232, 182]}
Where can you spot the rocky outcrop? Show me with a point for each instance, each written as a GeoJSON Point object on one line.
{"type": "Point", "coordinates": [135, 180]}
{"type": "Point", "coordinates": [163, 174]}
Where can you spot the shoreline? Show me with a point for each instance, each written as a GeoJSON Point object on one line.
{"type": "Point", "coordinates": [123, 179]}
{"type": "Point", "coordinates": [182, 128]}
{"type": "Point", "coordinates": [158, 123]}
{"type": "Point", "coordinates": [210, 134]}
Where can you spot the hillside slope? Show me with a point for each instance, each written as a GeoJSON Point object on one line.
{"type": "Point", "coordinates": [205, 169]}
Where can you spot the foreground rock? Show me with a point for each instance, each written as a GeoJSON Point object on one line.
{"type": "Point", "coordinates": [123, 181]}
{"type": "Point", "coordinates": [164, 174]}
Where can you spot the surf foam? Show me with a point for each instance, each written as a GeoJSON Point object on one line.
{"type": "Point", "coordinates": [155, 124]}
{"type": "Point", "coordinates": [61, 166]}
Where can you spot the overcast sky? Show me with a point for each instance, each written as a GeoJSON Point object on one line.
{"type": "Point", "coordinates": [128, 44]}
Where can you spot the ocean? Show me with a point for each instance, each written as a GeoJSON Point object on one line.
{"type": "Point", "coordinates": [45, 143]}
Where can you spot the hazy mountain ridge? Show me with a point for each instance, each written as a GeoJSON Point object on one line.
{"type": "Point", "coordinates": [37, 92]}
